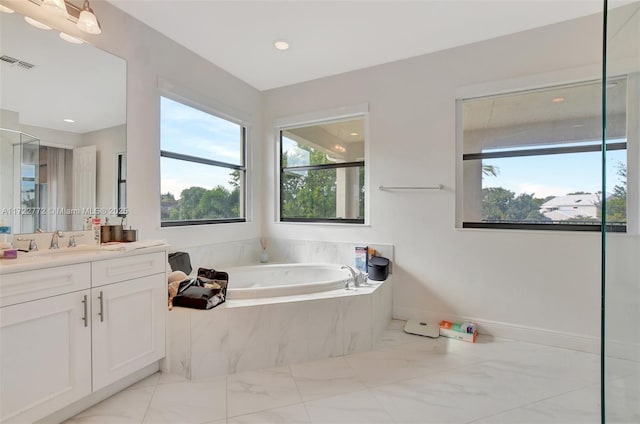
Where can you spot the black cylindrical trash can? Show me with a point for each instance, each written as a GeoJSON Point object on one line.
{"type": "Point", "coordinates": [378, 268]}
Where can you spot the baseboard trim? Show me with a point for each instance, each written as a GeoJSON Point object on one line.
{"type": "Point", "coordinates": [548, 337]}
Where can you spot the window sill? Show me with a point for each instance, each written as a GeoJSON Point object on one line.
{"type": "Point", "coordinates": [169, 224]}
{"type": "Point", "coordinates": [325, 223]}
{"type": "Point", "coordinates": [589, 228]}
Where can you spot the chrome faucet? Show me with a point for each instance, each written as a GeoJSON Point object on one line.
{"type": "Point", "coordinates": [354, 277]}
{"type": "Point", "coordinates": [72, 240]}
{"type": "Point", "coordinates": [362, 279]}
{"type": "Point", "coordinates": [54, 239]}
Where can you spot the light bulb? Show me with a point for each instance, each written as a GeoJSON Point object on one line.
{"type": "Point", "coordinates": [281, 45]}
{"type": "Point", "coordinates": [37, 24]}
{"type": "Point", "coordinates": [70, 38]}
{"type": "Point", "coordinates": [87, 20]}
{"type": "Point", "coordinates": [57, 6]}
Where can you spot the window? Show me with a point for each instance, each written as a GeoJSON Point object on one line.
{"type": "Point", "coordinates": [532, 160]}
{"type": "Point", "coordinates": [202, 164]}
{"type": "Point", "coordinates": [322, 172]}
{"type": "Point", "coordinates": [121, 184]}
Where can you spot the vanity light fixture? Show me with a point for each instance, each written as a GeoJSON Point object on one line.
{"type": "Point", "coordinates": [84, 18]}
{"type": "Point", "coordinates": [57, 6]}
{"type": "Point", "coordinates": [36, 24]}
{"type": "Point", "coordinates": [5, 9]}
{"type": "Point", "coordinates": [73, 40]}
{"type": "Point", "coordinates": [87, 20]}
{"type": "Point", "coordinates": [281, 45]}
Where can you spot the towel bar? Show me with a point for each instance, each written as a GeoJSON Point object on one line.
{"type": "Point", "coordinates": [438, 187]}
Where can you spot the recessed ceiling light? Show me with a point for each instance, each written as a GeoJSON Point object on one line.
{"type": "Point", "coordinates": [558, 100]}
{"type": "Point", "coordinates": [70, 39]}
{"type": "Point", "coordinates": [281, 45]}
{"type": "Point", "coordinates": [5, 9]}
{"type": "Point", "coordinates": [69, 120]}
{"type": "Point", "coordinates": [36, 24]}
{"type": "Point", "coordinates": [353, 133]}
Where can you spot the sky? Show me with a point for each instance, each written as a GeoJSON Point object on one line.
{"type": "Point", "coordinates": [190, 131]}
{"type": "Point", "coordinates": [555, 175]}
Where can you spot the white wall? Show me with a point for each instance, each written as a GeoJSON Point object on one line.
{"type": "Point", "coordinates": [504, 279]}
{"type": "Point", "coordinates": [151, 56]}
{"type": "Point", "coordinates": [8, 121]}
{"type": "Point", "coordinates": [109, 142]}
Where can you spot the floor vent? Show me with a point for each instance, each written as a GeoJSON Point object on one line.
{"type": "Point", "coordinates": [15, 62]}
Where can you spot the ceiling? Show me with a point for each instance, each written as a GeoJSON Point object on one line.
{"type": "Point", "coordinates": [543, 117]}
{"type": "Point", "coordinates": [332, 37]}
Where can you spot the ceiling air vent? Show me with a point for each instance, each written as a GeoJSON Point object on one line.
{"type": "Point", "coordinates": [15, 62]}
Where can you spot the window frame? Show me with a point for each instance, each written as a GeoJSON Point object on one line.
{"type": "Point", "coordinates": [121, 184]}
{"type": "Point", "coordinates": [461, 157]}
{"type": "Point", "coordinates": [243, 168]}
{"type": "Point", "coordinates": [316, 118]}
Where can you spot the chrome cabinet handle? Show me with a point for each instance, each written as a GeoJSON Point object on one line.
{"type": "Point", "coordinates": [85, 317]}
{"type": "Point", "coordinates": [101, 313]}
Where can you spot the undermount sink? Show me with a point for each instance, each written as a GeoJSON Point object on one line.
{"type": "Point", "coordinates": [47, 255]}
{"type": "Point", "coordinates": [63, 251]}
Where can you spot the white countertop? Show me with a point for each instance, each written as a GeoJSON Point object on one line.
{"type": "Point", "coordinates": [28, 261]}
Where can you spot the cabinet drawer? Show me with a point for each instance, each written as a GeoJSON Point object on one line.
{"type": "Point", "coordinates": [25, 286]}
{"type": "Point", "coordinates": [114, 270]}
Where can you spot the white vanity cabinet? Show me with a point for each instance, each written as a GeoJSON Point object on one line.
{"type": "Point", "coordinates": [45, 356]}
{"type": "Point", "coordinates": [69, 331]}
{"type": "Point", "coordinates": [128, 319]}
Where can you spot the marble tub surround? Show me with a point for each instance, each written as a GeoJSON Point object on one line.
{"type": "Point", "coordinates": [247, 252]}
{"type": "Point", "coordinates": [227, 254]}
{"type": "Point", "coordinates": [305, 251]}
{"type": "Point", "coordinates": [492, 381]}
{"type": "Point", "coordinates": [253, 334]}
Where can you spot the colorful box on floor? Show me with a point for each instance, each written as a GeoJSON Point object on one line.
{"type": "Point", "coordinates": [466, 331]}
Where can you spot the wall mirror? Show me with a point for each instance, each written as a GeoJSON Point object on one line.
{"type": "Point", "coordinates": [63, 129]}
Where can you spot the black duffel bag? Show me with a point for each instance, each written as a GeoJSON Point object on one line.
{"type": "Point", "coordinates": [206, 291]}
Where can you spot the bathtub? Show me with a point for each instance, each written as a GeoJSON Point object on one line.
{"type": "Point", "coordinates": [274, 316]}
{"type": "Point", "coordinates": [258, 281]}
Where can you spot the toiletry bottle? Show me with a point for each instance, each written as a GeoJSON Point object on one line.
{"type": "Point", "coordinates": [95, 226]}
{"type": "Point", "coordinates": [6, 240]}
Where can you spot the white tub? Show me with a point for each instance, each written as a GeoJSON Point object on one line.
{"type": "Point", "coordinates": [258, 281]}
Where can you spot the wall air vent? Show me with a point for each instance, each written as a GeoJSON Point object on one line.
{"type": "Point", "coordinates": [15, 62]}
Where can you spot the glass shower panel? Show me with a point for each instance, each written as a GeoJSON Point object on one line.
{"type": "Point", "coordinates": [621, 342]}
{"type": "Point", "coordinates": [29, 183]}
{"type": "Point", "coordinates": [8, 140]}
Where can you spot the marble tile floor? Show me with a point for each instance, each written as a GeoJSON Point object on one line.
{"type": "Point", "coordinates": [406, 379]}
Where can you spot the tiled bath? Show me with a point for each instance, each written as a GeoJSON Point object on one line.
{"type": "Point", "coordinates": [244, 335]}
{"type": "Point", "coordinates": [404, 379]}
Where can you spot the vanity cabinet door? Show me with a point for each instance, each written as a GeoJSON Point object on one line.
{"type": "Point", "coordinates": [45, 356]}
{"type": "Point", "coordinates": [128, 323]}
